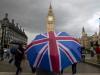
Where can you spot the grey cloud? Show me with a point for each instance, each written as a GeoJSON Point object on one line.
{"type": "Point", "coordinates": [71, 15]}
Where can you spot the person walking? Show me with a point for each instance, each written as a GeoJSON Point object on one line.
{"type": "Point", "coordinates": [74, 68]}
{"type": "Point", "coordinates": [1, 54]}
{"type": "Point", "coordinates": [13, 48]}
{"type": "Point", "coordinates": [82, 51]}
{"type": "Point", "coordinates": [19, 55]}
{"type": "Point", "coordinates": [92, 51]}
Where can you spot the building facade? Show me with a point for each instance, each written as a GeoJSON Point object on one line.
{"type": "Point", "coordinates": [88, 41]}
{"type": "Point", "coordinates": [9, 31]}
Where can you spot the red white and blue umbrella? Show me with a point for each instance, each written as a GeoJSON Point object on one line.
{"type": "Point", "coordinates": [53, 51]}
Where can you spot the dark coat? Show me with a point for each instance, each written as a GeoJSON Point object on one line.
{"type": "Point", "coordinates": [19, 55]}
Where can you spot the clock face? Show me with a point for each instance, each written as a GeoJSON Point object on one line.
{"type": "Point", "coordinates": [50, 18]}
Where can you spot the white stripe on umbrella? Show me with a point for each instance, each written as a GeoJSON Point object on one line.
{"type": "Point", "coordinates": [36, 44]}
{"type": "Point", "coordinates": [42, 56]}
{"type": "Point", "coordinates": [38, 56]}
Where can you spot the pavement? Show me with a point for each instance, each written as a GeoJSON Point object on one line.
{"type": "Point", "coordinates": [92, 63]}
{"type": "Point", "coordinates": [12, 73]}
{"type": "Point", "coordinates": [88, 60]}
{"type": "Point", "coordinates": [91, 60]}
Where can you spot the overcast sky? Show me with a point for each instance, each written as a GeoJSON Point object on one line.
{"type": "Point", "coordinates": [71, 15]}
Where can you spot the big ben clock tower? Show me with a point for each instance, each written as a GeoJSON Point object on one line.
{"type": "Point", "coordinates": [50, 20]}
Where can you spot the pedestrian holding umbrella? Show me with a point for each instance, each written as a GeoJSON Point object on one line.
{"type": "Point", "coordinates": [53, 51]}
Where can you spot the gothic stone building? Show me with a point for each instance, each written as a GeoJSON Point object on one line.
{"type": "Point", "coordinates": [88, 41]}
{"type": "Point", "coordinates": [9, 31]}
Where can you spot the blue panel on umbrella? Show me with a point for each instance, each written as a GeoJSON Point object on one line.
{"type": "Point", "coordinates": [45, 62]}
{"type": "Point", "coordinates": [65, 62]}
{"type": "Point", "coordinates": [39, 37]}
{"type": "Point", "coordinates": [75, 54]}
{"type": "Point", "coordinates": [32, 52]}
{"type": "Point", "coordinates": [63, 34]}
{"type": "Point", "coordinates": [71, 45]}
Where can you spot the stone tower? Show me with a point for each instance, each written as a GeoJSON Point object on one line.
{"type": "Point", "coordinates": [50, 20]}
{"type": "Point", "coordinates": [84, 39]}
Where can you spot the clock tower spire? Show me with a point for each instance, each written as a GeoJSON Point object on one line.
{"type": "Point", "coordinates": [50, 20]}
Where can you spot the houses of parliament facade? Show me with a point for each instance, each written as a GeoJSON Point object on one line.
{"type": "Point", "coordinates": [88, 41]}
{"type": "Point", "coordinates": [10, 32]}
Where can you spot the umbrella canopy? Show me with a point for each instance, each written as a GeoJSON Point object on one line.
{"type": "Point", "coordinates": [53, 51]}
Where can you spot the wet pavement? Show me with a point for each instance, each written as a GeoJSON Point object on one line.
{"type": "Point", "coordinates": [12, 73]}
{"type": "Point", "coordinates": [82, 69]}
{"type": "Point", "coordinates": [86, 68]}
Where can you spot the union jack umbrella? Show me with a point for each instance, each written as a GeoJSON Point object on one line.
{"type": "Point", "coordinates": [53, 51]}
